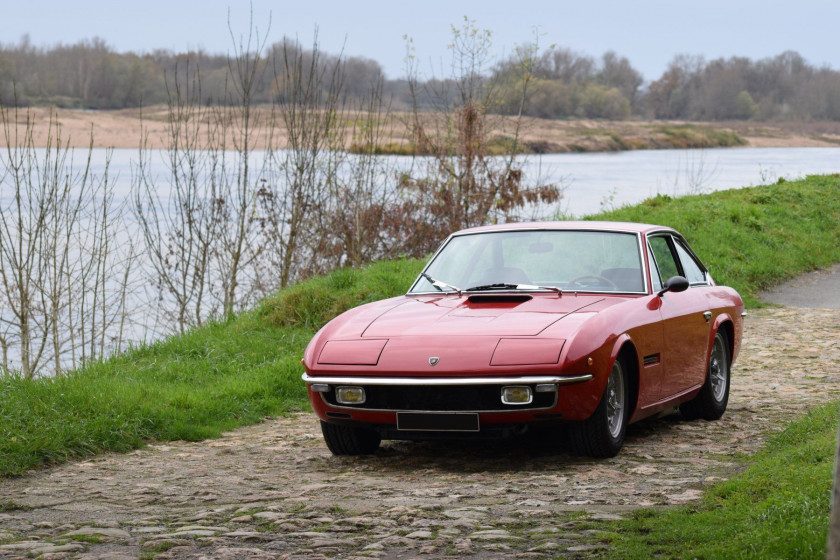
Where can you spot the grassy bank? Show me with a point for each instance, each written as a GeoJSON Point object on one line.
{"type": "Point", "coordinates": [614, 137]}
{"type": "Point", "coordinates": [187, 387]}
{"type": "Point", "coordinates": [237, 372]}
{"type": "Point", "coordinates": [190, 387]}
{"type": "Point", "coordinates": [757, 237]}
{"type": "Point", "coordinates": [777, 508]}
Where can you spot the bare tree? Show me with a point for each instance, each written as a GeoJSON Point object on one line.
{"type": "Point", "coordinates": [461, 184]}
{"type": "Point", "coordinates": [239, 180]}
{"type": "Point", "coordinates": [63, 266]}
{"type": "Point", "coordinates": [297, 201]}
{"type": "Point", "coordinates": [22, 230]}
{"type": "Point", "coordinates": [180, 218]}
{"type": "Point", "coordinates": [201, 224]}
{"type": "Point", "coordinates": [365, 211]}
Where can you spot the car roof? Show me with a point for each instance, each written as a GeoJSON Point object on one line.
{"type": "Point", "coordinates": [630, 227]}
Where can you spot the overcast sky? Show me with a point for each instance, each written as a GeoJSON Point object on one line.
{"type": "Point", "coordinates": [648, 32]}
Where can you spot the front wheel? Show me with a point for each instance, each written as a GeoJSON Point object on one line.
{"type": "Point", "coordinates": [350, 440]}
{"type": "Point", "coordinates": [602, 434]}
{"type": "Point", "coordinates": [710, 403]}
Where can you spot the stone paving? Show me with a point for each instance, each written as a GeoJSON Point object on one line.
{"type": "Point", "coordinates": [274, 491]}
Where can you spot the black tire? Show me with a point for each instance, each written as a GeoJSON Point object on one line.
{"type": "Point", "coordinates": [710, 403]}
{"type": "Point", "coordinates": [350, 440]}
{"type": "Point", "coordinates": [602, 434]}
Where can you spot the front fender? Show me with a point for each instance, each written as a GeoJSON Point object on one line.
{"type": "Point", "coordinates": [733, 332]}
{"type": "Point", "coordinates": [596, 359]}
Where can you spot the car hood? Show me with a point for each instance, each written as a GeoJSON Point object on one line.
{"type": "Point", "coordinates": [489, 315]}
{"type": "Point", "coordinates": [493, 334]}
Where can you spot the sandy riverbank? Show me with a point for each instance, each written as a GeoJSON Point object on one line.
{"type": "Point", "coordinates": [125, 128]}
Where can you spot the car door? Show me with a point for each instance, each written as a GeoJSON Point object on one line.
{"type": "Point", "coordinates": [686, 325]}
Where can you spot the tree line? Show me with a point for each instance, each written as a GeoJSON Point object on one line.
{"type": "Point", "coordinates": [566, 84]}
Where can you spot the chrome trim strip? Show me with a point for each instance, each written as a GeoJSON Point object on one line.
{"type": "Point", "coordinates": [641, 243]}
{"type": "Point", "coordinates": [448, 381]}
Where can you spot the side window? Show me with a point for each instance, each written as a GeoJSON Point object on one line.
{"type": "Point", "coordinates": [693, 272]}
{"type": "Point", "coordinates": [665, 259]}
{"type": "Point", "coordinates": [655, 280]}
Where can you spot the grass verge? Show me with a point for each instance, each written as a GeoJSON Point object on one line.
{"type": "Point", "coordinates": [237, 372]}
{"type": "Point", "coordinates": [777, 508]}
{"type": "Point", "coordinates": [753, 238]}
{"type": "Point", "coordinates": [189, 387]}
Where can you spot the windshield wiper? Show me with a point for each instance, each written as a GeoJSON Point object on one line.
{"type": "Point", "coordinates": [505, 286]}
{"type": "Point", "coordinates": [440, 284]}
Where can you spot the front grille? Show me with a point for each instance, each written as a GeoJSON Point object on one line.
{"type": "Point", "coordinates": [441, 398]}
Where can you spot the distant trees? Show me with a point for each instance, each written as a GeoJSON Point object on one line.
{"type": "Point", "coordinates": [91, 75]}
{"type": "Point", "coordinates": [566, 84]}
{"type": "Point", "coordinates": [782, 87]}
{"type": "Point", "coordinates": [87, 74]}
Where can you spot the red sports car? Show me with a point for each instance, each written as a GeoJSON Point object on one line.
{"type": "Point", "coordinates": [589, 325]}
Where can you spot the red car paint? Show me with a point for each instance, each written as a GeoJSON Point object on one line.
{"type": "Point", "coordinates": [666, 340]}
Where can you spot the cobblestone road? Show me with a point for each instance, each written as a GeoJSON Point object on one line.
{"type": "Point", "coordinates": [274, 491]}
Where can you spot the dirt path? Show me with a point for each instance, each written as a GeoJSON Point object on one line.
{"type": "Point", "coordinates": [274, 491]}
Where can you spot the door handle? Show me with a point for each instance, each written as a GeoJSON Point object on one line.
{"type": "Point", "coordinates": [707, 315]}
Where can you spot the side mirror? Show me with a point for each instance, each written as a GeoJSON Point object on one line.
{"type": "Point", "coordinates": [674, 284]}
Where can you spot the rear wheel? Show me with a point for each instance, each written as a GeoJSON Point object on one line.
{"type": "Point", "coordinates": [602, 434]}
{"type": "Point", "coordinates": [710, 403]}
{"type": "Point", "coordinates": [350, 440]}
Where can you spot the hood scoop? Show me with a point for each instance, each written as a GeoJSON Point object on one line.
{"type": "Point", "coordinates": [478, 299]}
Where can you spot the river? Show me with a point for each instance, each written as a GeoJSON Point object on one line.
{"type": "Point", "coordinates": [595, 181]}
{"type": "Point", "coordinates": [591, 182]}
{"type": "Point", "coordinates": [599, 180]}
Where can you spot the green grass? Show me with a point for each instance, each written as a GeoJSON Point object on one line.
{"type": "Point", "coordinates": [190, 387]}
{"type": "Point", "coordinates": [753, 238]}
{"type": "Point", "coordinates": [697, 136]}
{"type": "Point", "coordinates": [187, 387]}
{"type": "Point", "coordinates": [777, 508]}
{"type": "Point", "coordinates": [237, 372]}
{"type": "Point", "coordinates": [672, 136]}
{"type": "Point", "coordinates": [312, 303]}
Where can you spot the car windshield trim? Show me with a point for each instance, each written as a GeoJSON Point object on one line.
{"type": "Point", "coordinates": [546, 280]}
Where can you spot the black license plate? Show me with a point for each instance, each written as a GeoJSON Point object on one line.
{"type": "Point", "coordinates": [437, 421]}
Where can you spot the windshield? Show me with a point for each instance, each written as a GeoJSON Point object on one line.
{"type": "Point", "coordinates": [579, 261]}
